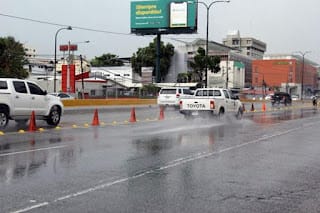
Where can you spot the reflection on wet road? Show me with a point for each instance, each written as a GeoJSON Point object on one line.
{"type": "Point", "coordinates": [168, 166]}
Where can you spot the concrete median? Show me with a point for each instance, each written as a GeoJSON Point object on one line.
{"type": "Point", "coordinates": [108, 102]}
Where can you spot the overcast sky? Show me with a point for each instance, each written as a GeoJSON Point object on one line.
{"type": "Point", "coordinates": [286, 26]}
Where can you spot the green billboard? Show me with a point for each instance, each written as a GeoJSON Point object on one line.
{"type": "Point", "coordinates": [163, 16]}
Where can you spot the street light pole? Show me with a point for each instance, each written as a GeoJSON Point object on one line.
{"type": "Point", "coordinates": [208, 6]}
{"type": "Point", "coordinates": [55, 56]}
{"type": "Point", "coordinates": [302, 71]}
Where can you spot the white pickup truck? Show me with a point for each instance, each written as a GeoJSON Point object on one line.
{"type": "Point", "coordinates": [211, 102]}
{"type": "Point", "coordinates": [18, 98]}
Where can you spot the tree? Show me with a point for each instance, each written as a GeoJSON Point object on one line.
{"type": "Point", "coordinates": [184, 77]}
{"type": "Point", "coordinates": [149, 89]}
{"type": "Point", "coordinates": [106, 60]}
{"type": "Point", "coordinates": [12, 59]}
{"type": "Point", "coordinates": [201, 62]}
{"type": "Point", "coordinates": [146, 57]}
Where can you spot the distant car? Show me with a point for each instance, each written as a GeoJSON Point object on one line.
{"type": "Point", "coordinates": [295, 97]}
{"type": "Point", "coordinates": [268, 97]}
{"type": "Point", "coordinates": [171, 96]}
{"type": "Point", "coordinates": [62, 95]}
{"type": "Point", "coordinates": [281, 98]}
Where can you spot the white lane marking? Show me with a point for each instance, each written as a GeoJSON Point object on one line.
{"type": "Point", "coordinates": [31, 207]}
{"type": "Point", "coordinates": [33, 150]}
{"type": "Point", "coordinates": [171, 164]}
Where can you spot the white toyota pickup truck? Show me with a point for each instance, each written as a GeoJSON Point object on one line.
{"type": "Point", "coordinates": [18, 98]}
{"type": "Point", "coordinates": [211, 102]}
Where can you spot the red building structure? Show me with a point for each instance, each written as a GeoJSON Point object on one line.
{"type": "Point", "coordinates": [285, 74]}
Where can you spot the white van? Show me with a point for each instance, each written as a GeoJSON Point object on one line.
{"type": "Point", "coordinates": [171, 96]}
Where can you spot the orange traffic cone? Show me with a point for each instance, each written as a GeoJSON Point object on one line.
{"type": "Point", "coordinates": [161, 116]}
{"type": "Point", "coordinates": [133, 115]}
{"type": "Point", "coordinates": [32, 123]}
{"type": "Point", "coordinates": [263, 107]}
{"type": "Point", "coordinates": [95, 120]}
{"type": "Point", "coordinates": [243, 108]}
{"type": "Point", "coordinates": [252, 107]}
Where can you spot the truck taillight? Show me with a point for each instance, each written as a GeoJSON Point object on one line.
{"type": "Point", "coordinates": [177, 95]}
{"type": "Point", "coordinates": [180, 104]}
{"type": "Point", "coordinates": [212, 106]}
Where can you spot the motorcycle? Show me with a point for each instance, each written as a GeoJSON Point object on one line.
{"type": "Point", "coordinates": [314, 101]}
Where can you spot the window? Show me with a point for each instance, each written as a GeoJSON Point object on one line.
{"type": "Point", "coordinates": [199, 93]}
{"type": "Point", "coordinates": [35, 89]}
{"type": "Point", "coordinates": [217, 93]}
{"type": "Point", "coordinates": [20, 87]}
{"type": "Point", "coordinates": [235, 42]}
{"type": "Point", "coordinates": [3, 85]}
{"type": "Point", "coordinates": [62, 95]}
{"type": "Point", "coordinates": [205, 92]}
{"type": "Point", "coordinates": [168, 91]}
{"type": "Point", "coordinates": [226, 94]}
{"type": "Point", "coordinates": [187, 92]}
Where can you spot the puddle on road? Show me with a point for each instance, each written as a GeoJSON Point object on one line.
{"type": "Point", "coordinates": [22, 158]}
{"type": "Point", "coordinates": [278, 117]}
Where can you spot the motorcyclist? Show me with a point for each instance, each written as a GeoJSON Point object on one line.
{"type": "Point", "coordinates": [314, 100]}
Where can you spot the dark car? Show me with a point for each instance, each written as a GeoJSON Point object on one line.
{"type": "Point", "coordinates": [281, 98]}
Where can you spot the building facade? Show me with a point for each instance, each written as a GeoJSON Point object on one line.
{"type": "Point", "coordinates": [246, 45]}
{"type": "Point", "coordinates": [288, 73]}
{"type": "Point", "coordinates": [231, 75]}
{"type": "Point", "coordinates": [185, 53]}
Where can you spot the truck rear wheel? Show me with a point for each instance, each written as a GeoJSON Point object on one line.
{"type": "Point", "coordinates": [221, 112]}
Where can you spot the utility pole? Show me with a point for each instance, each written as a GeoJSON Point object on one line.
{"type": "Point", "coordinates": [302, 71]}
{"type": "Point", "coordinates": [207, 33]}
{"type": "Point", "coordinates": [82, 81]}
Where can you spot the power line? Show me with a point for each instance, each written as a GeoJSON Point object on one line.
{"type": "Point", "coordinates": [75, 27]}
{"type": "Point", "coordinates": [64, 25]}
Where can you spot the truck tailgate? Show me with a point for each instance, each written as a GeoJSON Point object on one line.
{"type": "Point", "coordinates": [196, 104]}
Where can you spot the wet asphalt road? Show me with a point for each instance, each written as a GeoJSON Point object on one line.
{"type": "Point", "coordinates": [266, 162]}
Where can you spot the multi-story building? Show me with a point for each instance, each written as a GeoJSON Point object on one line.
{"type": "Point", "coordinates": [246, 45]}
{"type": "Point", "coordinates": [290, 73]}
{"type": "Point", "coordinates": [231, 75]}
{"type": "Point", "coordinates": [185, 53]}
{"type": "Point", "coordinates": [29, 52]}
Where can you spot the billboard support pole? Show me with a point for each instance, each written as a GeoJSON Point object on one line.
{"type": "Point", "coordinates": [158, 77]}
